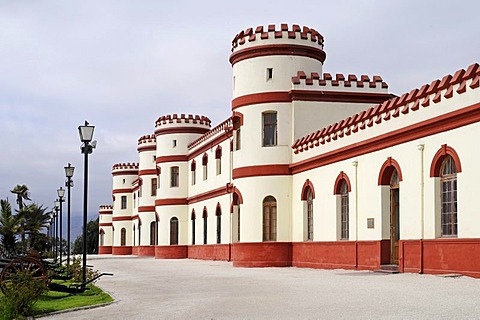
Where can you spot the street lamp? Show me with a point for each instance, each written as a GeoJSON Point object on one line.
{"type": "Point", "coordinates": [86, 135]}
{"type": "Point", "coordinates": [69, 183]}
{"type": "Point", "coordinates": [61, 194]}
{"type": "Point", "coordinates": [57, 205]}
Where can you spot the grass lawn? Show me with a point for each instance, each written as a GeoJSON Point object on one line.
{"type": "Point", "coordinates": [57, 301]}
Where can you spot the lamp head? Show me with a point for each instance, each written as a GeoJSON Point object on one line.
{"type": "Point", "coordinates": [69, 171]}
{"type": "Point", "coordinates": [61, 193]}
{"type": "Point", "coordinates": [86, 132]}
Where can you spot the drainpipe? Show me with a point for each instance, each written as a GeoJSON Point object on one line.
{"type": "Point", "coordinates": [421, 148]}
{"type": "Point", "coordinates": [355, 164]}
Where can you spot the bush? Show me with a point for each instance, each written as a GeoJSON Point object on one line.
{"type": "Point", "coordinates": [22, 291]}
{"type": "Point", "coordinates": [75, 269]}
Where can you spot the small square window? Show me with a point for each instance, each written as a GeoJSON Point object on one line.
{"type": "Point", "coordinates": [269, 73]}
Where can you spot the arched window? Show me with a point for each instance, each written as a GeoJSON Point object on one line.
{"type": "Point", "coordinates": [193, 169]}
{"type": "Point", "coordinates": [154, 233]}
{"type": "Point", "coordinates": [269, 120]}
{"type": "Point", "coordinates": [173, 231]}
{"type": "Point", "coordinates": [236, 215]}
{"type": "Point", "coordinates": [193, 226]}
{"type": "Point", "coordinates": [123, 237]}
{"type": "Point", "coordinates": [269, 219]}
{"type": "Point", "coordinates": [134, 233]}
{"type": "Point", "coordinates": [309, 215]}
{"type": "Point", "coordinates": [344, 209]}
{"type": "Point", "coordinates": [102, 237]}
{"type": "Point", "coordinates": [448, 193]}
{"type": "Point", "coordinates": [205, 216]}
{"type": "Point", "coordinates": [218, 159]}
{"type": "Point", "coordinates": [205, 166]}
{"type": "Point", "coordinates": [139, 233]}
{"type": "Point", "coordinates": [218, 214]}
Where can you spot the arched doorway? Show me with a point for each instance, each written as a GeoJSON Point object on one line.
{"type": "Point", "coordinates": [394, 217]}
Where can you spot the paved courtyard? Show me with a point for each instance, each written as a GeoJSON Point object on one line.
{"type": "Point", "coordinates": [146, 288]}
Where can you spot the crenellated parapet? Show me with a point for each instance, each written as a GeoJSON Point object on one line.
{"type": "Point", "coordinates": [223, 128]}
{"type": "Point", "coordinates": [182, 123]}
{"type": "Point", "coordinates": [284, 40]}
{"type": "Point", "coordinates": [125, 169]}
{"type": "Point", "coordinates": [272, 32]}
{"type": "Point", "coordinates": [105, 209]}
{"type": "Point", "coordinates": [338, 83]}
{"type": "Point", "coordinates": [427, 96]}
{"type": "Point", "coordinates": [147, 143]}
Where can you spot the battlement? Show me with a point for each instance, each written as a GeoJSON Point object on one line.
{"type": "Point", "coordinates": [327, 81]}
{"type": "Point", "coordinates": [426, 96]}
{"type": "Point", "coordinates": [272, 32]}
{"type": "Point", "coordinates": [225, 126]}
{"type": "Point", "coordinates": [182, 119]}
{"type": "Point", "coordinates": [125, 166]}
{"type": "Point", "coordinates": [106, 207]}
{"type": "Point", "coordinates": [149, 138]}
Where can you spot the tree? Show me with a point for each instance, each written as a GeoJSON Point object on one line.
{"type": "Point", "coordinates": [9, 228]}
{"type": "Point", "coordinates": [22, 194]}
{"type": "Point", "coordinates": [35, 219]}
{"type": "Point", "coordinates": [92, 239]}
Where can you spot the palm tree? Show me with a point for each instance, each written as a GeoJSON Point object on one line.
{"type": "Point", "coordinates": [35, 218]}
{"type": "Point", "coordinates": [22, 194]}
{"type": "Point", "coordinates": [9, 228]}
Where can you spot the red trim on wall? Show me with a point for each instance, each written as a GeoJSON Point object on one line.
{"type": "Point", "coordinates": [210, 252]}
{"type": "Point", "coordinates": [143, 148]}
{"type": "Point", "coordinates": [125, 173]}
{"type": "Point", "coordinates": [261, 170]}
{"type": "Point", "coordinates": [125, 190]}
{"type": "Point", "coordinates": [104, 249]}
{"type": "Point", "coordinates": [171, 252]}
{"type": "Point", "coordinates": [442, 255]}
{"type": "Point", "coordinates": [239, 116]}
{"type": "Point", "coordinates": [172, 130]}
{"type": "Point", "coordinates": [122, 218]}
{"type": "Point", "coordinates": [208, 195]}
{"type": "Point", "coordinates": [105, 224]}
{"type": "Point", "coordinates": [262, 254]}
{"type": "Point", "coordinates": [386, 172]}
{"type": "Point", "coordinates": [146, 209]}
{"type": "Point", "coordinates": [171, 202]}
{"type": "Point", "coordinates": [205, 146]}
{"type": "Point", "coordinates": [262, 97]}
{"type": "Point", "coordinates": [175, 158]}
{"type": "Point", "coordinates": [446, 122]}
{"type": "Point", "coordinates": [437, 161]}
{"type": "Point", "coordinates": [147, 172]}
{"type": "Point", "coordinates": [145, 251]}
{"type": "Point", "coordinates": [276, 50]}
{"type": "Point", "coordinates": [339, 96]}
{"type": "Point", "coordinates": [237, 193]}
{"type": "Point", "coordinates": [105, 212]}
{"type": "Point", "coordinates": [308, 184]}
{"type": "Point", "coordinates": [121, 250]}
{"type": "Point", "coordinates": [341, 176]}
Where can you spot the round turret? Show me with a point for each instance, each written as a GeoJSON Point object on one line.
{"type": "Point", "coordinates": [265, 59]}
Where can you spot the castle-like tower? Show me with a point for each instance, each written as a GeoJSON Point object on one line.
{"type": "Point", "coordinates": [308, 169]}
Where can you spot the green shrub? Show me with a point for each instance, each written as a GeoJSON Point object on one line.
{"type": "Point", "coordinates": [76, 270]}
{"type": "Point", "coordinates": [22, 291]}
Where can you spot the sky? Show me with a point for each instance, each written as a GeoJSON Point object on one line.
{"type": "Point", "coordinates": [122, 64]}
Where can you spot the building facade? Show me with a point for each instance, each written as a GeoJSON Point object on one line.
{"type": "Point", "coordinates": [311, 170]}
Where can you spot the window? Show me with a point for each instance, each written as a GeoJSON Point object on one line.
{"type": "Point", "coordinates": [133, 235]}
{"type": "Point", "coordinates": [237, 132]}
{"type": "Point", "coordinates": [269, 219]}
{"type": "Point", "coordinates": [174, 143]}
{"type": "Point", "coordinates": [124, 202]}
{"type": "Point", "coordinates": [153, 233]}
{"type": "Point", "coordinates": [140, 188]}
{"type": "Point", "coordinates": [173, 231]}
{"type": "Point", "coordinates": [154, 159]}
{"type": "Point", "coordinates": [269, 73]}
{"type": "Point", "coordinates": [205, 168]}
{"type": "Point", "coordinates": [218, 159]}
{"type": "Point", "coordinates": [269, 129]}
{"type": "Point", "coordinates": [174, 177]}
{"type": "Point", "coordinates": [154, 187]}
{"type": "Point", "coordinates": [309, 215]}
{"type": "Point", "coordinates": [205, 216]}
{"type": "Point", "coordinates": [193, 227]}
{"type": "Point", "coordinates": [219, 224]}
{"type": "Point", "coordinates": [448, 194]}
{"type": "Point", "coordinates": [236, 217]}
{"type": "Point", "coordinates": [139, 234]}
{"type": "Point", "coordinates": [123, 237]}
{"type": "Point", "coordinates": [134, 198]}
{"type": "Point", "coordinates": [344, 210]}
{"type": "Point", "coordinates": [102, 238]}
{"type": "Point", "coordinates": [193, 169]}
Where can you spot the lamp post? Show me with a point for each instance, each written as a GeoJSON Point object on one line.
{"type": "Point", "coordinates": [61, 194]}
{"type": "Point", "coordinates": [51, 229]}
{"type": "Point", "coordinates": [86, 135]}
{"type": "Point", "coordinates": [69, 183]}
{"type": "Point", "coordinates": [57, 205]}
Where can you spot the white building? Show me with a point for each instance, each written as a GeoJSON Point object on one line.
{"type": "Point", "coordinates": [311, 170]}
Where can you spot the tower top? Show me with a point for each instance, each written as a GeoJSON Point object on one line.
{"type": "Point", "coordinates": [285, 40]}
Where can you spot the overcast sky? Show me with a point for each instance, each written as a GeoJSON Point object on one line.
{"type": "Point", "coordinates": [122, 64]}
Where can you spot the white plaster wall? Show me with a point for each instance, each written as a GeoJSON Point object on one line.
{"type": "Point", "coordinates": [147, 218]}
{"type": "Point", "coordinates": [253, 191]}
{"type": "Point", "coordinates": [165, 144]}
{"type": "Point", "coordinates": [165, 190]}
{"type": "Point", "coordinates": [165, 213]}
{"type": "Point", "coordinates": [118, 226]}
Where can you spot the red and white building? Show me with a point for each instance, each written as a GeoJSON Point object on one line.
{"type": "Point", "coordinates": [311, 170]}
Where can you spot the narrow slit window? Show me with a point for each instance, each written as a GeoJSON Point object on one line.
{"type": "Point", "coordinates": [269, 73]}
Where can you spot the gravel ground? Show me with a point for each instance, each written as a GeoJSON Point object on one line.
{"type": "Point", "coordinates": [146, 288]}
